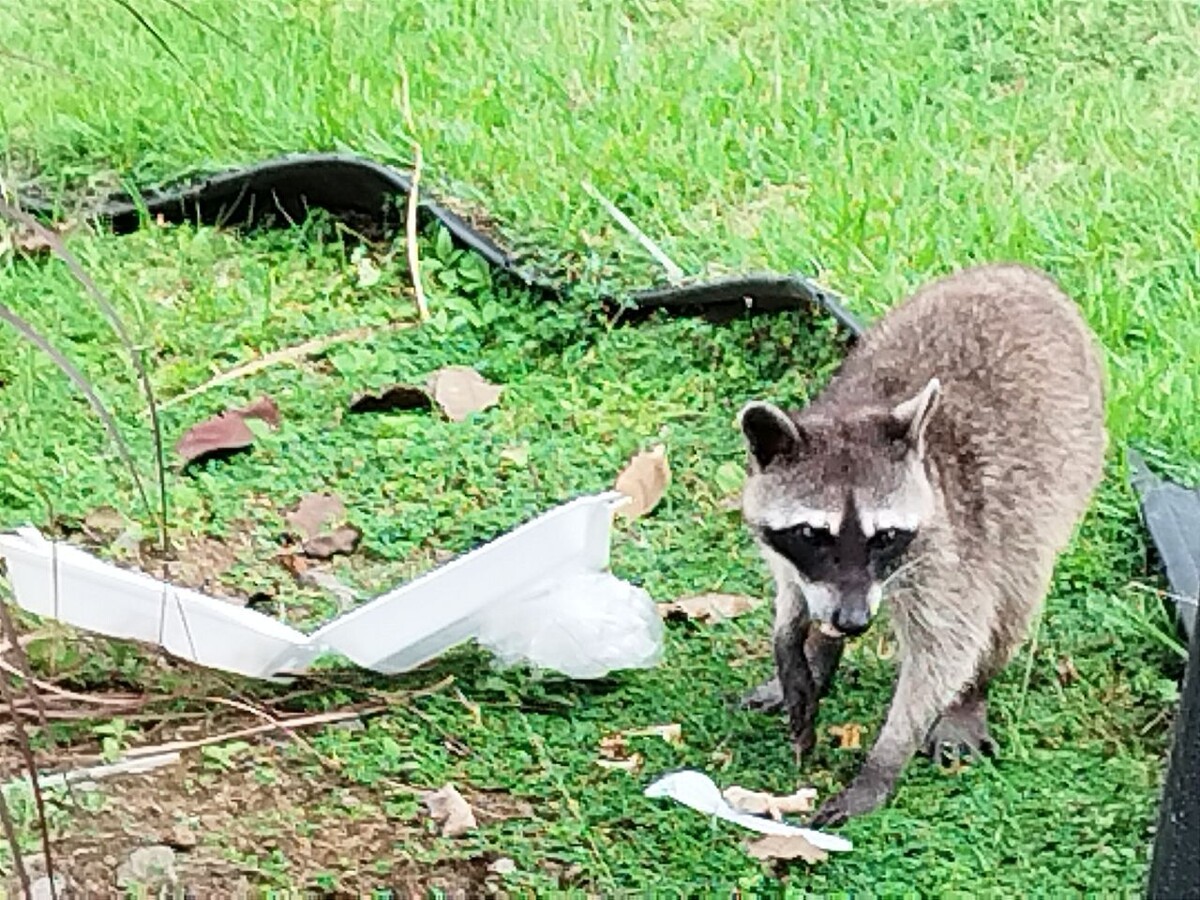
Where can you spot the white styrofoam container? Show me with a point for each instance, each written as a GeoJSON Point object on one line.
{"type": "Point", "coordinates": [414, 623]}
{"type": "Point", "coordinates": [66, 583]}
{"type": "Point", "coordinates": [392, 633]}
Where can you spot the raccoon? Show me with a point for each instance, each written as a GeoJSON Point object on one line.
{"type": "Point", "coordinates": [942, 470]}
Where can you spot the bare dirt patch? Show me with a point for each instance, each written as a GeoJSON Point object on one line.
{"type": "Point", "coordinates": [262, 823]}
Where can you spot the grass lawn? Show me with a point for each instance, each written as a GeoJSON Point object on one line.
{"type": "Point", "coordinates": [871, 144]}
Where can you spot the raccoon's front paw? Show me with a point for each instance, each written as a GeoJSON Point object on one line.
{"type": "Point", "coordinates": [866, 793]}
{"type": "Point", "coordinates": [766, 698]}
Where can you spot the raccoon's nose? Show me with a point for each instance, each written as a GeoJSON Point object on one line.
{"type": "Point", "coordinates": [852, 620]}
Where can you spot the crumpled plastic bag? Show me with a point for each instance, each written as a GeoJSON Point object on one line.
{"type": "Point", "coordinates": [583, 626]}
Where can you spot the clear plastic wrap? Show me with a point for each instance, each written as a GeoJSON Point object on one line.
{"type": "Point", "coordinates": [584, 626]}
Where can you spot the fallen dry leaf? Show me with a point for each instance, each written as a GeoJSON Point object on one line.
{"type": "Point", "coordinates": [320, 520]}
{"type": "Point", "coordinates": [314, 511]}
{"type": "Point", "coordinates": [759, 803]}
{"type": "Point", "coordinates": [29, 240]}
{"type": "Point", "coordinates": [1067, 673]}
{"type": "Point", "coordinates": [448, 808]}
{"type": "Point", "coordinates": [778, 846]}
{"type": "Point", "coordinates": [392, 398]}
{"type": "Point", "coordinates": [849, 735]}
{"type": "Point", "coordinates": [707, 607]}
{"type": "Point", "coordinates": [644, 481]}
{"type": "Point", "coordinates": [614, 754]}
{"type": "Point", "coordinates": [263, 408]}
{"type": "Point", "coordinates": [460, 391]}
{"type": "Point", "coordinates": [103, 523]}
{"type": "Point", "coordinates": [672, 733]}
{"type": "Point", "coordinates": [227, 432]}
{"type": "Point", "coordinates": [630, 764]}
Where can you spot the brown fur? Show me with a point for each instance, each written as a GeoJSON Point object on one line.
{"type": "Point", "coordinates": [1011, 449]}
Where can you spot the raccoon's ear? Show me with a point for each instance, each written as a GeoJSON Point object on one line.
{"type": "Point", "coordinates": [769, 432]}
{"type": "Point", "coordinates": [913, 415]}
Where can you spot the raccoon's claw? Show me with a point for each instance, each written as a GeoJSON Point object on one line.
{"type": "Point", "coordinates": [766, 698]}
{"type": "Point", "coordinates": [863, 796]}
{"type": "Point", "coordinates": [960, 735]}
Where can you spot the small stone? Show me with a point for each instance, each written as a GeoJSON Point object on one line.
{"type": "Point", "coordinates": [148, 866]}
{"type": "Point", "coordinates": [182, 838]}
{"type": "Point", "coordinates": [41, 890]}
{"type": "Point", "coordinates": [503, 866]}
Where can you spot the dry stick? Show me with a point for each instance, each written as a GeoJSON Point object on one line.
{"type": "Point", "coordinates": [410, 215]}
{"type": "Point", "coordinates": [278, 723]}
{"type": "Point", "coordinates": [131, 700]}
{"type": "Point", "coordinates": [10, 835]}
{"type": "Point", "coordinates": [278, 357]}
{"type": "Point", "coordinates": [296, 722]}
{"type": "Point", "coordinates": [39, 802]}
{"type": "Point", "coordinates": [674, 273]}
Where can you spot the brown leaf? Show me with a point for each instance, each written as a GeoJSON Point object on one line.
{"type": "Point", "coordinates": [219, 436]}
{"type": "Point", "coordinates": [103, 523]}
{"type": "Point", "coordinates": [343, 539]}
{"type": "Point", "coordinates": [644, 481]}
{"type": "Point", "coordinates": [849, 735]}
{"type": "Point", "coordinates": [1067, 673]}
{"type": "Point", "coordinates": [460, 391]}
{"type": "Point", "coordinates": [759, 803]}
{"type": "Point", "coordinates": [227, 432]}
{"type": "Point", "coordinates": [263, 408]}
{"type": "Point", "coordinates": [391, 398]}
{"type": "Point", "coordinates": [707, 607]}
{"type": "Point", "coordinates": [319, 519]}
{"type": "Point", "coordinates": [29, 240]}
{"type": "Point", "coordinates": [614, 754]}
{"type": "Point", "coordinates": [448, 808]}
{"type": "Point", "coordinates": [779, 846]}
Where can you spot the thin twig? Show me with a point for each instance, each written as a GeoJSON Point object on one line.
{"type": "Point", "coordinates": [284, 355]}
{"type": "Point", "coordinates": [10, 835]}
{"type": "Point", "coordinates": [674, 272]}
{"type": "Point", "coordinates": [282, 724]}
{"type": "Point", "coordinates": [410, 215]}
{"type": "Point", "coordinates": [39, 802]}
{"type": "Point", "coordinates": [277, 723]}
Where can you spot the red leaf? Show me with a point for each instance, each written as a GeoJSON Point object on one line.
{"type": "Point", "coordinates": [226, 433]}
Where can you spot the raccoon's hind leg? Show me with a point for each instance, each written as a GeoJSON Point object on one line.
{"type": "Point", "coordinates": [961, 732]}
{"type": "Point", "coordinates": [823, 652]}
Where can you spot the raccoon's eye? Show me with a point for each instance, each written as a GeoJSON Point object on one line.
{"type": "Point", "coordinates": [810, 534]}
{"type": "Point", "coordinates": [891, 540]}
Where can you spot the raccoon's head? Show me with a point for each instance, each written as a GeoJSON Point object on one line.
{"type": "Point", "coordinates": [837, 497]}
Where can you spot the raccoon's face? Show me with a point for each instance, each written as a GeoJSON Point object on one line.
{"type": "Point", "coordinates": [836, 500]}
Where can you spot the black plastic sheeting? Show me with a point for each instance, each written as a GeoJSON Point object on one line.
{"type": "Point", "coordinates": [287, 187]}
{"type": "Point", "coordinates": [284, 189]}
{"type": "Point", "coordinates": [1172, 516]}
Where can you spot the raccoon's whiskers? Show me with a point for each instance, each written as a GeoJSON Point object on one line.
{"type": "Point", "coordinates": [906, 567]}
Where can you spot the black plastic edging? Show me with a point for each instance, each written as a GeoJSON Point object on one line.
{"type": "Point", "coordinates": [288, 186]}
{"type": "Point", "coordinates": [1175, 862]}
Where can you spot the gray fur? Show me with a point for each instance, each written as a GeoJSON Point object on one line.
{"type": "Point", "coordinates": [973, 412]}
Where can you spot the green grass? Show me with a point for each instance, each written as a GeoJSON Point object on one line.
{"type": "Point", "coordinates": [873, 144]}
